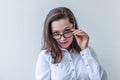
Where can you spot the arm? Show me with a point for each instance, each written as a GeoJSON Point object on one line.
{"type": "Point", "coordinates": [42, 67]}
{"type": "Point", "coordinates": [94, 69]}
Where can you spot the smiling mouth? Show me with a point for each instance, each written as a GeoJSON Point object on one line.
{"type": "Point", "coordinates": [63, 43]}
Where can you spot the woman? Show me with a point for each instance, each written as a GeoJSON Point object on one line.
{"type": "Point", "coordinates": [65, 54]}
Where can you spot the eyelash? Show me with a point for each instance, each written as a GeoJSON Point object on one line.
{"type": "Point", "coordinates": [66, 30]}
{"type": "Point", "coordinates": [54, 33]}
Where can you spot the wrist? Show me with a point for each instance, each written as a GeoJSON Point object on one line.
{"type": "Point", "coordinates": [82, 48]}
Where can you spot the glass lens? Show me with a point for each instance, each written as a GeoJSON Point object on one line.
{"type": "Point", "coordinates": [56, 36]}
{"type": "Point", "coordinates": [68, 34]}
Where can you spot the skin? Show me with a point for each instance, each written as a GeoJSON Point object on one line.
{"type": "Point", "coordinates": [81, 37]}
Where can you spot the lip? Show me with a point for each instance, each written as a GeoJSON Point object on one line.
{"type": "Point", "coordinates": [62, 43]}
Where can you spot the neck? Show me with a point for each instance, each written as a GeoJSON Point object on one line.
{"type": "Point", "coordinates": [69, 48]}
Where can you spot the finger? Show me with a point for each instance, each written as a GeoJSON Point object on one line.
{"type": "Point", "coordinates": [81, 30]}
{"type": "Point", "coordinates": [75, 31]}
{"type": "Point", "coordinates": [78, 32]}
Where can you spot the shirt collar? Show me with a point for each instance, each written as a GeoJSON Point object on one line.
{"type": "Point", "coordinates": [63, 49]}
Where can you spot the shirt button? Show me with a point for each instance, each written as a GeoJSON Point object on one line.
{"type": "Point", "coordinates": [70, 60]}
{"type": "Point", "coordinates": [87, 65]}
{"type": "Point", "coordinates": [73, 69]}
{"type": "Point", "coordinates": [82, 54]}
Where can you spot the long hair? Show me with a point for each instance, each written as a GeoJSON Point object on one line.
{"type": "Point", "coordinates": [49, 42]}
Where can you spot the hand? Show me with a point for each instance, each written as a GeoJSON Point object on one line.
{"type": "Point", "coordinates": [81, 37]}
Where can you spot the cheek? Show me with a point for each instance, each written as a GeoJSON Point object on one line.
{"type": "Point", "coordinates": [70, 40]}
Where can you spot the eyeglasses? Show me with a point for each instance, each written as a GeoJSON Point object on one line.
{"type": "Point", "coordinates": [66, 34]}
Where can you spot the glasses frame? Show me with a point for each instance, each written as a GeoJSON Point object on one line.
{"type": "Point", "coordinates": [73, 26]}
{"type": "Point", "coordinates": [60, 35]}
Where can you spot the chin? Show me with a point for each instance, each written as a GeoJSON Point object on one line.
{"type": "Point", "coordinates": [65, 47]}
{"type": "Point", "coordinates": [65, 44]}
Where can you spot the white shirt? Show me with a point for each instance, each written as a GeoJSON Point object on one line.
{"type": "Point", "coordinates": [74, 66]}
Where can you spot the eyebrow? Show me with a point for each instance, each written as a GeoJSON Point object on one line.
{"type": "Point", "coordinates": [68, 26]}
{"type": "Point", "coordinates": [62, 29]}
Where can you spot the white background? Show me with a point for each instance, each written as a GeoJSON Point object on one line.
{"type": "Point", "coordinates": [21, 23]}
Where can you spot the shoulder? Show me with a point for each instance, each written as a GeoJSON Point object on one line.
{"type": "Point", "coordinates": [44, 55]}
{"type": "Point", "coordinates": [45, 52]}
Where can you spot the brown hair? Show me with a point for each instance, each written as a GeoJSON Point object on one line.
{"type": "Point", "coordinates": [49, 42]}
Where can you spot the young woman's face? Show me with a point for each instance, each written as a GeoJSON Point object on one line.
{"type": "Point", "coordinates": [61, 30]}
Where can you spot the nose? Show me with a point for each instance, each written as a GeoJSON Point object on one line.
{"type": "Point", "coordinates": [62, 38]}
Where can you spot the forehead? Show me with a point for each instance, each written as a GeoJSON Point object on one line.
{"type": "Point", "coordinates": [60, 24]}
